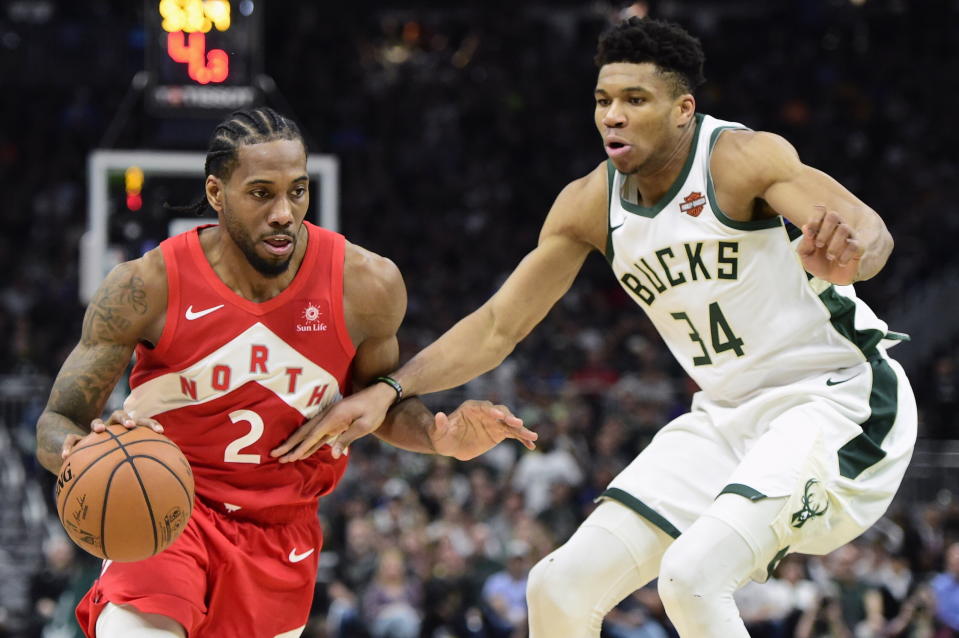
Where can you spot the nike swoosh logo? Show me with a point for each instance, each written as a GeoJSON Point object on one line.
{"type": "Point", "coordinates": [613, 228]}
{"type": "Point", "coordinates": [295, 558]}
{"type": "Point", "coordinates": [831, 382]}
{"type": "Point", "coordinates": [190, 315]}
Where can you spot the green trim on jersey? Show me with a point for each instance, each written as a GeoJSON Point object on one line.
{"type": "Point", "coordinates": [793, 231]}
{"type": "Point", "coordinates": [744, 491]}
{"type": "Point", "coordinates": [842, 315]}
{"type": "Point", "coordinates": [865, 450]}
{"type": "Point", "coordinates": [652, 211]}
{"type": "Point", "coordinates": [774, 563]}
{"type": "Point", "coordinates": [610, 177]}
{"type": "Point", "coordinates": [756, 224]}
{"type": "Point", "coordinates": [644, 510]}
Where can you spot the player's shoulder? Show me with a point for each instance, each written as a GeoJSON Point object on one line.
{"type": "Point", "coordinates": [371, 281]}
{"type": "Point", "coordinates": [749, 145]}
{"type": "Point", "coordinates": [145, 274]}
{"type": "Point", "coordinates": [131, 299]}
{"type": "Point", "coordinates": [590, 189]}
{"type": "Point", "coordinates": [746, 159]}
{"type": "Point", "coordinates": [579, 211]}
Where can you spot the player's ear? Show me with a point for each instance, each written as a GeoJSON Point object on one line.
{"type": "Point", "coordinates": [214, 193]}
{"type": "Point", "coordinates": [685, 109]}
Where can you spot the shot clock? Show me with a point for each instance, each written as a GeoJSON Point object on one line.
{"type": "Point", "coordinates": [203, 56]}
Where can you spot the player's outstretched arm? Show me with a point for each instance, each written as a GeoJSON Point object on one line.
{"type": "Point", "coordinates": [113, 324]}
{"type": "Point", "coordinates": [375, 301]}
{"type": "Point", "coordinates": [576, 224]}
{"type": "Point", "coordinates": [844, 240]}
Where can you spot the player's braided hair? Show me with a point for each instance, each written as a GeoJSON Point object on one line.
{"type": "Point", "coordinates": [242, 127]}
{"type": "Point", "coordinates": [667, 45]}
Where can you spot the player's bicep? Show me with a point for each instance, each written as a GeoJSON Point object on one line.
{"type": "Point", "coordinates": [112, 325]}
{"type": "Point", "coordinates": [794, 190]}
{"type": "Point", "coordinates": [801, 197]}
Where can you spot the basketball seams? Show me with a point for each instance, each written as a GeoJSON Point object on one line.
{"type": "Point", "coordinates": [173, 472]}
{"type": "Point", "coordinates": [146, 500]}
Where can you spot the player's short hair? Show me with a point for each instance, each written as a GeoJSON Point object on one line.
{"type": "Point", "coordinates": [676, 53]}
{"type": "Point", "coordinates": [243, 127]}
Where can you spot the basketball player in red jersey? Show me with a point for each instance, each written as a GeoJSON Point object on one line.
{"type": "Point", "coordinates": [243, 331]}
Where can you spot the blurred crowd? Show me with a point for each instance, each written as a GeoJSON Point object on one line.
{"type": "Point", "coordinates": [455, 128]}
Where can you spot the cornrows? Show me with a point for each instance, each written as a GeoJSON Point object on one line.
{"type": "Point", "coordinates": [247, 126]}
{"type": "Point", "coordinates": [243, 127]}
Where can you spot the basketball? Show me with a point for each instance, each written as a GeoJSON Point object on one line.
{"type": "Point", "coordinates": [123, 494]}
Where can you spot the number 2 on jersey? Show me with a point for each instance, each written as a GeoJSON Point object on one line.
{"type": "Point", "coordinates": [232, 452]}
{"type": "Point", "coordinates": [721, 335]}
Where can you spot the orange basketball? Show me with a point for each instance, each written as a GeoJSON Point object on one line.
{"type": "Point", "coordinates": [125, 494]}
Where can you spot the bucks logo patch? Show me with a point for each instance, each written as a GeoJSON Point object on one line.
{"type": "Point", "coordinates": [815, 502]}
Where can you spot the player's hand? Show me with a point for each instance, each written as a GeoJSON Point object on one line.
{"type": "Point", "coordinates": [476, 427]}
{"type": "Point", "coordinates": [119, 417]}
{"type": "Point", "coordinates": [340, 425]}
{"type": "Point", "coordinates": [829, 248]}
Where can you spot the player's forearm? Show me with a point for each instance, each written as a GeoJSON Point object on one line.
{"type": "Point", "coordinates": [473, 346]}
{"type": "Point", "coordinates": [52, 430]}
{"type": "Point", "coordinates": [407, 426]}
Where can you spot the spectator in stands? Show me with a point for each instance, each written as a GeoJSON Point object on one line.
{"type": "Point", "coordinates": [945, 586]}
{"type": "Point", "coordinates": [504, 594]}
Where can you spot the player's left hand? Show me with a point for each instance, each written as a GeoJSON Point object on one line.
{"type": "Point", "coordinates": [476, 427]}
{"type": "Point", "coordinates": [829, 248]}
{"type": "Point", "coordinates": [127, 420]}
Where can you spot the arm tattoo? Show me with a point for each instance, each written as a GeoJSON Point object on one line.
{"type": "Point", "coordinates": [108, 314]}
{"type": "Point", "coordinates": [96, 364]}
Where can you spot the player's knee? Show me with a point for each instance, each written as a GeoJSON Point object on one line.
{"type": "Point", "coordinates": [682, 577]}
{"type": "Point", "coordinates": [552, 589]}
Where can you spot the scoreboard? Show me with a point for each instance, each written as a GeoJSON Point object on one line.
{"type": "Point", "coordinates": [203, 56]}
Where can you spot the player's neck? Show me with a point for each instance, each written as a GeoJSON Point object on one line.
{"type": "Point", "coordinates": [656, 178]}
{"type": "Point", "coordinates": [235, 270]}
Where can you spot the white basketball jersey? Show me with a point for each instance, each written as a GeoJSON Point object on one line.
{"type": "Point", "coordinates": [730, 298]}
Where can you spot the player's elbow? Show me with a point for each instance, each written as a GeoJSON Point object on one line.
{"type": "Point", "coordinates": [504, 333]}
{"type": "Point", "coordinates": [876, 255]}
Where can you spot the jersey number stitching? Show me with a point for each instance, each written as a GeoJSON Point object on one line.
{"type": "Point", "coordinates": [232, 452]}
{"type": "Point", "coordinates": [721, 335]}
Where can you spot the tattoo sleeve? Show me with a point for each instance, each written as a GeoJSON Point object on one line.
{"type": "Point", "coordinates": [111, 329]}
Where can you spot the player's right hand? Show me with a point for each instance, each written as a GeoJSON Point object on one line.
{"type": "Point", "coordinates": [340, 425]}
{"type": "Point", "coordinates": [118, 417]}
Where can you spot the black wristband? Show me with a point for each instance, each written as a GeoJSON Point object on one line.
{"type": "Point", "coordinates": [393, 383]}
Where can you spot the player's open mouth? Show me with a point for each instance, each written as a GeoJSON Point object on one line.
{"type": "Point", "coordinates": [617, 148]}
{"type": "Point", "coordinates": [279, 244]}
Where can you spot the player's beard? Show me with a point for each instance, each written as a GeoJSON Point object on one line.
{"type": "Point", "coordinates": [266, 267]}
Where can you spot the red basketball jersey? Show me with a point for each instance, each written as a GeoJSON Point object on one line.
{"type": "Point", "coordinates": [231, 379]}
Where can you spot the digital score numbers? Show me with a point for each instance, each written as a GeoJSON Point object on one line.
{"type": "Point", "coordinates": [203, 55]}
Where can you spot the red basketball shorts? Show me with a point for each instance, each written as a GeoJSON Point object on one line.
{"type": "Point", "coordinates": [222, 577]}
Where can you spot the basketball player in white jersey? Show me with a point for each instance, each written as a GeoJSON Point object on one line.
{"type": "Point", "coordinates": [804, 426]}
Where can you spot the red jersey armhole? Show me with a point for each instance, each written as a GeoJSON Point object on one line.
{"type": "Point", "coordinates": [337, 256]}
{"type": "Point", "coordinates": [173, 294]}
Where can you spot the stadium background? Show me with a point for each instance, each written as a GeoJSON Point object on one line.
{"type": "Point", "coordinates": [455, 125]}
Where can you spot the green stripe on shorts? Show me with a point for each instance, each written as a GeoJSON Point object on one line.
{"type": "Point", "coordinates": [864, 451]}
{"type": "Point", "coordinates": [644, 510]}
